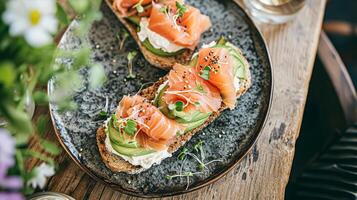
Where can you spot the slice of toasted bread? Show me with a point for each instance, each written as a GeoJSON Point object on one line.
{"type": "Point", "coordinates": [157, 61]}
{"type": "Point", "coordinates": [117, 164]}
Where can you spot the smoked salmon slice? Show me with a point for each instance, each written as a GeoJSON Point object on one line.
{"type": "Point", "coordinates": [185, 30]}
{"type": "Point", "coordinates": [216, 66]}
{"type": "Point", "coordinates": [155, 130]}
{"type": "Point", "coordinates": [196, 94]}
{"type": "Point", "coordinates": [122, 6]}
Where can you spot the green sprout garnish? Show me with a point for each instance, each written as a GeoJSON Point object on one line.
{"type": "Point", "coordinates": [139, 7]}
{"type": "Point", "coordinates": [122, 37]}
{"type": "Point", "coordinates": [130, 127]}
{"type": "Point", "coordinates": [181, 9]}
{"type": "Point", "coordinates": [102, 115]}
{"type": "Point", "coordinates": [183, 154]}
{"type": "Point", "coordinates": [199, 88]}
{"type": "Point", "coordinates": [165, 10]}
{"type": "Point", "coordinates": [130, 57]}
{"type": "Point", "coordinates": [197, 148]}
{"type": "Point", "coordinates": [178, 106]}
{"type": "Point", "coordinates": [205, 74]}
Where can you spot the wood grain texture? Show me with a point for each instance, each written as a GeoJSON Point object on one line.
{"type": "Point", "coordinates": [264, 173]}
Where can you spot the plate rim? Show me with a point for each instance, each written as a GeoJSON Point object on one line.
{"type": "Point", "coordinates": [216, 177]}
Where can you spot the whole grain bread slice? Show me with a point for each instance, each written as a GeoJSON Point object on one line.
{"type": "Point", "coordinates": [117, 164]}
{"type": "Point", "coordinates": [155, 60]}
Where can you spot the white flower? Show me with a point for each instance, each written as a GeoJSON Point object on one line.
{"type": "Point", "coordinates": [34, 19]}
{"type": "Point", "coordinates": [42, 172]}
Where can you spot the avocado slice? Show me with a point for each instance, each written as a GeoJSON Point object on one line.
{"type": "Point", "coordinates": [192, 125]}
{"type": "Point", "coordinates": [116, 137]}
{"type": "Point", "coordinates": [134, 19]}
{"type": "Point", "coordinates": [131, 151]}
{"type": "Point", "coordinates": [160, 52]}
{"type": "Point", "coordinates": [183, 117]}
{"type": "Point", "coordinates": [127, 148]}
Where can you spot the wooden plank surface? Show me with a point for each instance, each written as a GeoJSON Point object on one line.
{"type": "Point", "coordinates": [264, 173]}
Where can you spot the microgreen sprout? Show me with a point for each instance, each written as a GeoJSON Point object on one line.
{"type": "Point", "coordinates": [183, 156]}
{"type": "Point", "coordinates": [199, 88]}
{"type": "Point", "coordinates": [181, 9]}
{"type": "Point", "coordinates": [102, 114]}
{"type": "Point", "coordinates": [122, 37]}
{"type": "Point", "coordinates": [139, 7]}
{"type": "Point", "coordinates": [130, 127]}
{"type": "Point", "coordinates": [130, 57]}
{"type": "Point", "coordinates": [183, 153]}
{"type": "Point", "coordinates": [205, 74]}
{"type": "Point", "coordinates": [165, 10]}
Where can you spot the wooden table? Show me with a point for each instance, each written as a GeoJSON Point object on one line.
{"type": "Point", "coordinates": [264, 173]}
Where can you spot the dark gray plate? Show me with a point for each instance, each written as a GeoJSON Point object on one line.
{"type": "Point", "coordinates": [229, 138]}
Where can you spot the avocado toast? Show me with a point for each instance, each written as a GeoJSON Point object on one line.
{"type": "Point", "coordinates": [160, 94]}
{"type": "Point", "coordinates": [160, 46]}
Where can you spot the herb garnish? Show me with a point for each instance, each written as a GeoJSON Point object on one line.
{"type": "Point", "coordinates": [165, 10]}
{"type": "Point", "coordinates": [181, 9]}
{"type": "Point", "coordinates": [183, 155]}
{"type": "Point", "coordinates": [205, 74]}
{"type": "Point", "coordinates": [130, 57]}
{"type": "Point", "coordinates": [178, 106]}
{"type": "Point", "coordinates": [130, 127]}
{"type": "Point", "coordinates": [139, 7]}
{"type": "Point", "coordinates": [199, 88]}
{"type": "Point", "coordinates": [122, 37]}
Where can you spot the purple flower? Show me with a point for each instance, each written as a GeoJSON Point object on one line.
{"type": "Point", "coordinates": [10, 196]}
{"type": "Point", "coordinates": [7, 151]}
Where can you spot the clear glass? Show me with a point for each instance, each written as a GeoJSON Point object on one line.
{"type": "Point", "coordinates": [274, 11]}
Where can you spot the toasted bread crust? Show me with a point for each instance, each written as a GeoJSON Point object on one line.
{"type": "Point", "coordinates": [161, 62]}
{"type": "Point", "coordinates": [117, 164]}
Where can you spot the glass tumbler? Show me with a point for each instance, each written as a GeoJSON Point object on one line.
{"type": "Point", "coordinates": [274, 11]}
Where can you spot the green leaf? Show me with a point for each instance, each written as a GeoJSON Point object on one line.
{"type": "Point", "coordinates": [130, 127]}
{"type": "Point", "coordinates": [19, 121]}
{"type": "Point", "coordinates": [80, 6]}
{"type": "Point", "coordinates": [205, 74]}
{"type": "Point", "coordinates": [164, 9]}
{"type": "Point", "coordinates": [8, 74]}
{"type": "Point", "coordinates": [102, 115]}
{"type": "Point", "coordinates": [61, 15]}
{"type": "Point", "coordinates": [42, 125]}
{"type": "Point", "coordinates": [97, 76]}
{"type": "Point", "coordinates": [40, 97]}
{"type": "Point", "coordinates": [131, 55]}
{"type": "Point", "coordinates": [183, 154]}
{"type": "Point", "coordinates": [179, 105]}
{"type": "Point", "coordinates": [35, 154]}
{"type": "Point", "coordinates": [181, 9]}
{"type": "Point", "coordinates": [199, 88]}
{"type": "Point", "coordinates": [50, 147]}
{"type": "Point", "coordinates": [139, 8]}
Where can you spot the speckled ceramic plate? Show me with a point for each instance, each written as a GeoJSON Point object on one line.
{"type": "Point", "coordinates": [228, 138]}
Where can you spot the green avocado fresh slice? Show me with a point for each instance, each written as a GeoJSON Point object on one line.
{"type": "Point", "coordinates": [131, 151]}
{"type": "Point", "coordinates": [134, 19]}
{"type": "Point", "coordinates": [192, 125]}
{"type": "Point", "coordinates": [160, 52]}
{"type": "Point", "coordinates": [127, 148]}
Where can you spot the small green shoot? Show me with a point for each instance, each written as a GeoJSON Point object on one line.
{"type": "Point", "coordinates": [181, 9]}
{"type": "Point", "coordinates": [130, 127]}
{"type": "Point", "coordinates": [205, 74]}
{"type": "Point", "coordinates": [131, 56]}
{"type": "Point", "coordinates": [139, 7]}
